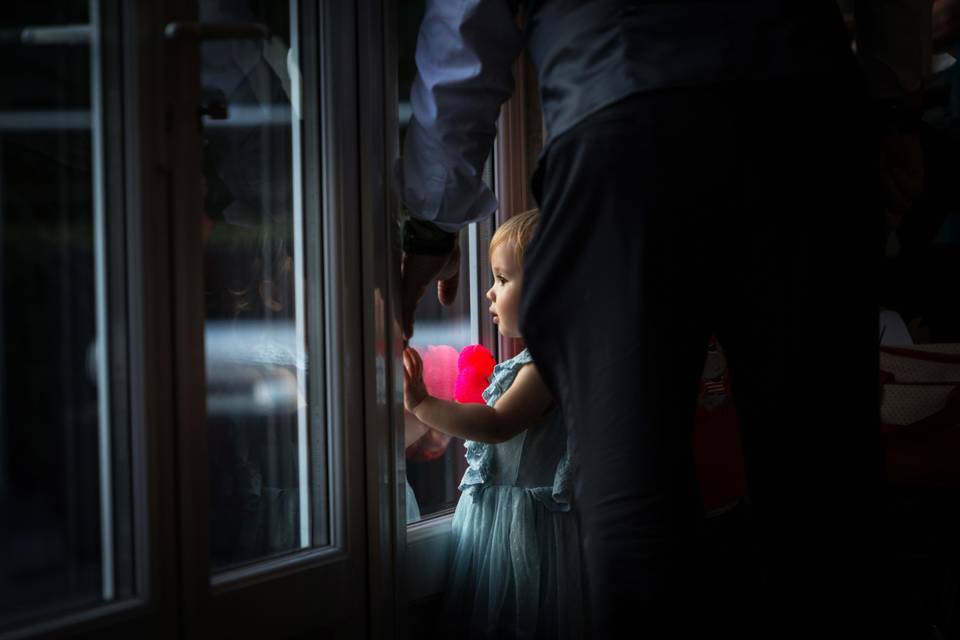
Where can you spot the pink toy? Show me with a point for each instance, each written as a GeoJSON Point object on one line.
{"type": "Point", "coordinates": [439, 370]}
{"type": "Point", "coordinates": [475, 365]}
{"type": "Point", "coordinates": [439, 376]}
{"type": "Point", "coordinates": [451, 377]}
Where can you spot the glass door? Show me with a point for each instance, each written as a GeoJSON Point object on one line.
{"type": "Point", "coordinates": [185, 396]}
{"type": "Point", "coordinates": [269, 411]}
{"type": "Point", "coordinates": [255, 343]}
{"type": "Point", "coordinates": [67, 518]}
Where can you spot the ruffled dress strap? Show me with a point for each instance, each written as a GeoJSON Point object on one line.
{"type": "Point", "coordinates": [479, 455]}
{"type": "Point", "coordinates": [503, 376]}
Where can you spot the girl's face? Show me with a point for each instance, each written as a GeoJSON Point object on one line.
{"type": "Point", "coordinates": [504, 295]}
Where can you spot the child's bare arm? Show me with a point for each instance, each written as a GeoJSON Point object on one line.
{"type": "Point", "coordinates": [525, 401]}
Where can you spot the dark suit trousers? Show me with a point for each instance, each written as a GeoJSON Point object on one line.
{"type": "Point", "coordinates": [749, 211]}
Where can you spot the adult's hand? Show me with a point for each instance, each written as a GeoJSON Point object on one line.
{"type": "Point", "coordinates": [417, 272]}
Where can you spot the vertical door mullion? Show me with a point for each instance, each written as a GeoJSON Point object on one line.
{"type": "Point", "coordinates": [104, 413]}
{"type": "Point", "coordinates": [377, 62]}
{"type": "Point", "coordinates": [182, 73]}
{"type": "Point", "coordinates": [315, 254]}
{"type": "Point", "coordinates": [147, 148]}
{"type": "Point", "coordinates": [344, 293]}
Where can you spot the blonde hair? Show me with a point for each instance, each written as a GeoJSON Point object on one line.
{"type": "Point", "coordinates": [516, 232]}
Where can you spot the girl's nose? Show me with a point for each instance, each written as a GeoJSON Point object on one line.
{"type": "Point", "coordinates": [489, 294]}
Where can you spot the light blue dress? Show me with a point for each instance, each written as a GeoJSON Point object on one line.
{"type": "Point", "coordinates": [413, 507]}
{"type": "Point", "coordinates": [515, 571]}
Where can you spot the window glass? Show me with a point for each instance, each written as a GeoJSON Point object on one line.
{"type": "Point", "coordinates": [435, 463]}
{"type": "Point", "coordinates": [254, 284]}
{"type": "Point", "coordinates": [65, 526]}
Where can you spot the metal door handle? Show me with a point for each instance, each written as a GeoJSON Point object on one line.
{"type": "Point", "coordinates": [47, 34]}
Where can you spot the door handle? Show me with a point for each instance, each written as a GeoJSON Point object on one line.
{"type": "Point", "coordinates": [47, 34]}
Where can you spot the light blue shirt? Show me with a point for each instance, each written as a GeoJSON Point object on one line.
{"type": "Point", "coordinates": [590, 54]}
{"type": "Point", "coordinates": [464, 55]}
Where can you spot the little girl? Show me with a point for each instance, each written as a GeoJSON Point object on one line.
{"type": "Point", "coordinates": [516, 549]}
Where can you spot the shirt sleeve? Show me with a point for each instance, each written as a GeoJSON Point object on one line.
{"type": "Point", "coordinates": [464, 55]}
{"type": "Point", "coordinates": [894, 43]}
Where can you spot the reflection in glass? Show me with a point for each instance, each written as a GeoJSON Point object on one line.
{"type": "Point", "coordinates": [435, 462]}
{"type": "Point", "coordinates": [255, 350]}
{"type": "Point", "coordinates": [64, 507]}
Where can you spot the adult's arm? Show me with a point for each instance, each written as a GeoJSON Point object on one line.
{"type": "Point", "coordinates": [464, 55]}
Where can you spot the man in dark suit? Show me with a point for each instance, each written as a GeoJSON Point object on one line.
{"type": "Point", "coordinates": [679, 135]}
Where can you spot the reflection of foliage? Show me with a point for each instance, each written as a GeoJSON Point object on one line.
{"type": "Point", "coordinates": [226, 235]}
{"type": "Point", "coordinates": [54, 237]}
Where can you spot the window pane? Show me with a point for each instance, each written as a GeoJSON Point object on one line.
{"type": "Point", "coordinates": [435, 463]}
{"type": "Point", "coordinates": [255, 345]}
{"type": "Point", "coordinates": [64, 509]}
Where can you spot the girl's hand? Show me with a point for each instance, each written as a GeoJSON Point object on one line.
{"type": "Point", "coordinates": [414, 389]}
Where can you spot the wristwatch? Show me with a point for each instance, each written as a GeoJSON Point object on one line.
{"type": "Point", "coordinates": [426, 239]}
